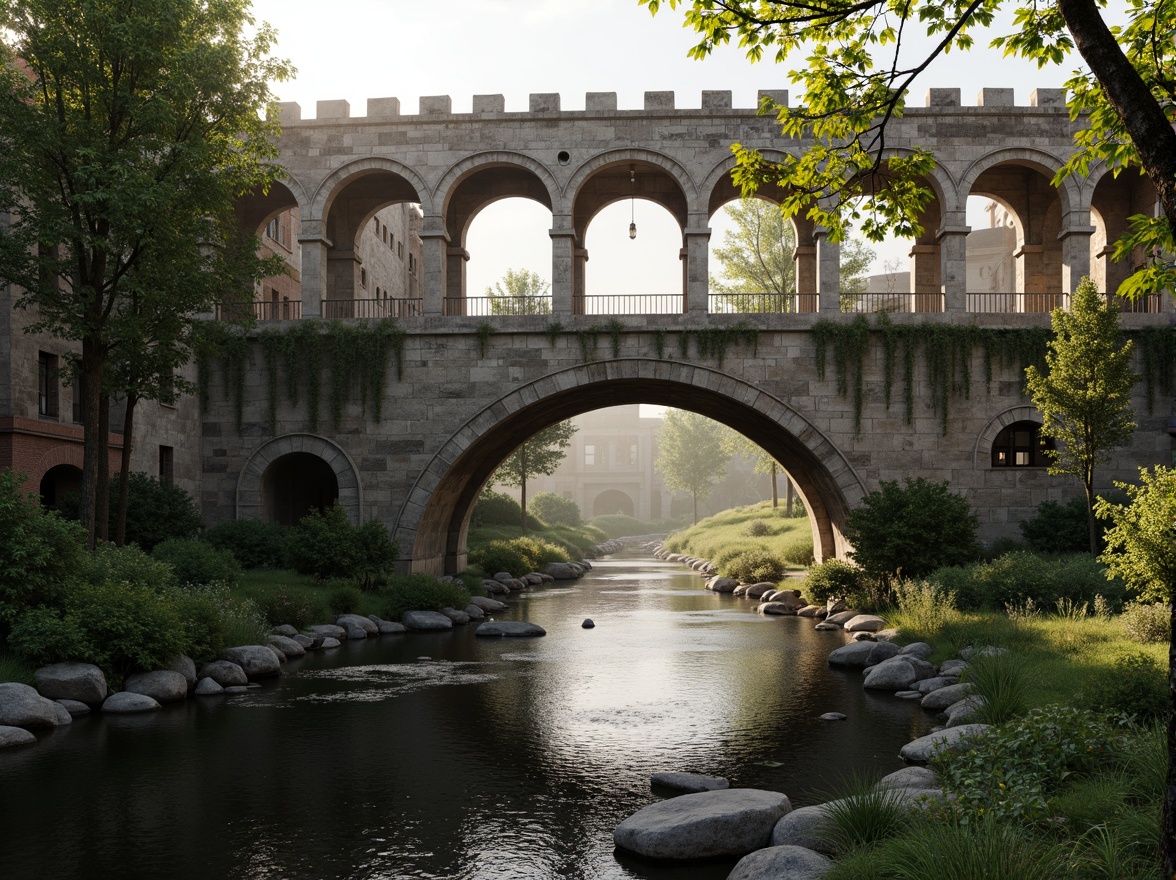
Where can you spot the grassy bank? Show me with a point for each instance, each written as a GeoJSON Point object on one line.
{"type": "Point", "coordinates": [758, 530]}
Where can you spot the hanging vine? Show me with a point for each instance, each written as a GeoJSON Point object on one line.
{"type": "Point", "coordinates": [271, 350]}
{"type": "Point", "coordinates": [554, 329]}
{"type": "Point", "coordinates": [587, 340]}
{"type": "Point", "coordinates": [659, 343]}
{"type": "Point", "coordinates": [484, 331]}
{"type": "Point", "coordinates": [714, 342]}
{"type": "Point", "coordinates": [1157, 348]}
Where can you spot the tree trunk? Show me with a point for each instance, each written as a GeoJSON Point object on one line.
{"type": "Point", "coordinates": [124, 471]}
{"type": "Point", "coordinates": [788, 502]}
{"type": "Point", "coordinates": [775, 491]}
{"type": "Point", "coordinates": [1168, 828]}
{"type": "Point", "coordinates": [90, 370]}
{"type": "Point", "coordinates": [523, 485]}
{"type": "Point", "coordinates": [1091, 530]}
{"type": "Point", "coordinates": [102, 506]}
{"type": "Point", "coordinates": [694, 494]}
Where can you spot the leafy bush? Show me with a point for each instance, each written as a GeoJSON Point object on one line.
{"type": "Point", "coordinates": [1058, 528]}
{"type": "Point", "coordinates": [279, 605]}
{"type": "Point", "coordinates": [203, 614]}
{"type": "Point", "coordinates": [1016, 577]}
{"type": "Point", "coordinates": [496, 509]}
{"type": "Point", "coordinates": [1007, 771]}
{"type": "Point", "coordinates": [832, 579]}
{"type": "Point", "coordinates": [326, 545]}
{"type": "Point", "coordinates": [538, 553]}
{"type": "Point", "coordinates": [420, 592]}
{"type": "Point", "coordinates": [254, 543]}
{"type": "Point", "coordinates": [156, 510]}
{"type": "Point", "coordinates": [14, 669]}
{"type": "Point", "coordinates": [119, 627]}
{"type": "Point", "coordinates": [1148, 623]}
{"type": "Point", "coordinates": [754, 566]}
{"type": "Point", "coordinates": [757, 528]}
{"type": "Point", "coordinates": [555, 509]}
{"type": "Point", "coordinates": [618, 525]}
{"type": "Point", "coordinates": [39, 552]}
{"type": "Point", "coordinates": [196, 562]}
{"type": "Point", "coordinates": [798, 549]}
{"type": "Point", "coordinates": [912, 529]}
{"type": "Point", "coordinates": [344, 599]}
{"type": "Point", "coordinates": [516, 556]}
{"type": "Point", "coordinates": [1134, 685]}
{"type": "Point", "coordinates": [130, 565]}
{"type": "Point", "coordinates": [1139, 545]}
{"type": "Point", "coordinates": [243, 620]}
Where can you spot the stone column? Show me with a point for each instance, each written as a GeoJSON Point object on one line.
{"type": "Point", "coordinates": [342, 271]}
{"type": "Point", "coordinates": [455, 279]}
{"type": "Point", "coordinates": [579, 262]}
{"type": "Point", "coordinates": [696, 280]}
{"type": "Point", "coordinates": [314, 267]}
{"type": "Point", "coordinates": [805, 258]}
{"type": "Point", "coordinates": [1031, 280]}
{"type": "Point", "coordinates": [926, 287]}
{"type": "Point", "coordinates": [952, 239]}
{"type": "Point", "coordinates": [563, 268]}
{"type": "Point", "coordinates": [828, 263]}
{"type": "Point", "coordinates": [1075, 237]}
{"type": "Point", "coordinates": [435, 243]}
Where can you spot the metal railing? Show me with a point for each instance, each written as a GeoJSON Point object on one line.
{"type": "Point", "coordinates": [334, 309]}
{"type": "Point", "coordinates": [906, 303]}
{"type": "Point", "coordinates": [762, 303]}
{"type": "Point", "coordinates": [262, 310]}
{"type": "Point", "coordinates": [630, 304]}
{"type": "Point", "coordinates": [479, 306]}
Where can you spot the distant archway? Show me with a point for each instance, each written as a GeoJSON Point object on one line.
{"type": "Point", "coordinates": [612, 501]}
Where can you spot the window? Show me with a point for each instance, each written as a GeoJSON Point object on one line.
{"type": "Point", "coordinates": [384, 232]}
{"type": "Point", "coordinates": [1021, 445]}
{"type": "Point", "coordinates": [589, 455]}
{"type": "Point", "coordinates": [411, 264]}
{"type": "Point", "coordinates": [400, 249]}
{"type": "Point", "coordinates": [363, 278]}
{"type": "Point", "coordinates": [46, 384]}
{"type": "Point", "coordinates": [275, 231]}
{"type": "Point", "coordinates": [392, 241]}
{"type": "Point", "coordinates": [376, 220]}
{"type": "Point", "coordinates": [166, 463]}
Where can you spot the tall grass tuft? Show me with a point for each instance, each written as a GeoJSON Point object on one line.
{"type": "Point", "coordinates": [923, 608]}
{"type": "Point", "coordinates": [864, 815]}
{"type": "Point", "coordinates": [1002, 679]}
{"type": "Point", "coordinates": [983, 849]}
{"type": "Point", "coordinates": [14, 669]}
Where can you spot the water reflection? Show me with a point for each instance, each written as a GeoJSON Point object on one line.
{"type": "Point", "coordinates": [493, 759]}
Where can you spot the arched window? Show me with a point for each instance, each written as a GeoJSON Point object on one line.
{"type": "Point", "coordinates": [1021, 445]}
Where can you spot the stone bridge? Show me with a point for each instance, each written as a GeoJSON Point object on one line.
{"type": "Point", "coordinates": [458, 410]}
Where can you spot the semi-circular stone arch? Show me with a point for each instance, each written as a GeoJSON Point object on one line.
{"type": "Point", "coordinates": [605, 178]}
{"type": "Point", "coordinates": [982, 452]}
{"type": "Point", "coordinates": [479, 162]}
{"type": "Point", "coordinates": [433, 522]}
{"type": "Point", "coordinates": [341, 178]}
{"type": "Point", "coordinates": [249, 502]}
{"type": "Point", "coordinates": [1048, 164]}
{"type": "Point", "coordinates": [258, 206]}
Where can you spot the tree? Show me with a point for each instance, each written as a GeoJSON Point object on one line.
{"type": "Point", "coordinates": [692, 453]}
{"type": "Point", "coordinates": [1084, 395]}
{"type": "Point", "coordinates": [128, 131]}
{"type": "Point", "coordinates": [756, 258]}
{"type": "Point", "coordinates": [1139, 544]}
{"type": "Point", "coordinates": [859, 65]}
{"type": "Point", "coordinates": [520, 292]}
{"type": "Point", "coordinates": [539, 455]}
{"type": "Point", "coordinates": [737, 444]}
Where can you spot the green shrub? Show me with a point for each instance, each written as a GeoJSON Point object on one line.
{"type": "Point", "coordinates": [12, 668]}
{"type": "Point", "coordinates": [254, 543]}
{"type": "Point", "coordinates": [344, 599]}
{"type": "Point", "coordinates": [727, 553]}
{"type": "Point", "coordinates": [555, 509]}
{"type": "Point", "coordinates": [912, 529]}
{"type": "Point", "coordinates": [244, 622]}
{"type": "Point", "coordinates": [1002, 679]}
{"type": "Point", "coordinates": [196, 562]}
{"type": "Point", "coordinates": [129, 565]}
{"type": "Point", "coordinates": [119, 627]}
{"type": "Point", "coordinates": [1058, 528]}
{"type": "Point", "coordinates": [326, 545]}
{"type": "Point", "coordinates": [279, 605]}
{"type": "Point", "coordinates": [832, 579]}
{"type": "Point", "coordinates": [497, 556]}
{"type": "Point", "coordinates": [1134, 685]}
{"type": "Point", "coordinates": [156, 510]}
{"type": "Point", "coordinates": [754, 566]}
{"type": "Point", "coordinates": [618, 525]}
{"type": "Point", "coordinates": [1148, 623]}
{"type": "Point", "coordinates": [798, 549]}
{"type": "Point", "coordinates": [202, 614]}
{"type": "Point", "coordinates": [757, 528]}
{"type": "Point", "coordinates": [1016, 577]}
{"type": "Point", "coordinates": [420, 592]}
{"type": "Point", "coordinates": [40, 553]}
{"type": "Point", "coordinates": [496, 509]}
{"type": "Point", "coordinates": [538, 553]}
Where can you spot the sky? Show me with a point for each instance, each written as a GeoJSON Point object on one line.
{"type": "Point", "coordinates": [360, 49]}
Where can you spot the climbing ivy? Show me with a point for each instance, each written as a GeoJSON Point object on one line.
{"type": "Point", "coordinates": [659, 343]}
{"type": "Point", "coordinates": [713, 342]}
{"type": "Point", "coordinates": [554, 329]}
{"type": "Point", "coordinates": [1157, 346]}
{"type": "Point", "coordinates": [587, 338]}
{"type": "Point", "coordinates": [484, 331]}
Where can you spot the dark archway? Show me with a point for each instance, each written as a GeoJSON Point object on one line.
{"type": "Point", "coordinates": [294, 485]}
{"type": "Point", "coordinates": [612, 501]}
{"type": "Point", "coordinates": [59, 481]}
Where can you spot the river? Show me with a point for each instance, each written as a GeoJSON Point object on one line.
{"type": "Point", "coordinates": [449, 756]}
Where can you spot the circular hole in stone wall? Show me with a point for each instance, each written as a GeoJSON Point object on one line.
{"type": "Point", "coordinates": [563, 157]}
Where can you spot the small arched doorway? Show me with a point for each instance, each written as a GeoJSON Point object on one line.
{"type": "Point", "coordinates": [612, 501]}
{"type": "Point", "coordinates": [59, 481]}
{"type": "Point", "coordinates": [295, 484]}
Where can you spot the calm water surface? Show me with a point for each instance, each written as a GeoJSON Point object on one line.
{"type": "Point", "coordinates": [448, 756]}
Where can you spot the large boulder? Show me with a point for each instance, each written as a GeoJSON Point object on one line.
{"type": "Point", "coordinates": [965, 711]}
{"type": "Point", "coordinates": [258, 661]}
{"type": "Point", "coordinates": [510, 628]}
{"type": "Point", "coordinates": [391, 628]}
{"type": "Point", "coordinates": [225, 673]}
{"type": "Point", "coordinates": [920, 750]}
{"type": "Point", "coordinates": [864, 623]}
{"type": "Point", "coordinates": [804, 826]}
{"type": "Point", "coordinates": [754, 591]}
{"type": "Point", "coordinates": [890, 676]}
{"type": "Point", "coordinates": [287, 646]}
{"type": "Point", "coordinates": [15, 736]}
{"type": "Point", "coordinates": [126, 703]}
{"type": "Point", "coordinates": [909, 779]}
{"type": "Point", "coordinates": [853, 655]}
{"type": "Point", "coordinates": [722, 585]}
{"type": "Point", "coordinates": [75, 708]}
{"type": "Point", "coordinates": [920, 649]}
{"type": "Point", "coordinates": [366, 624]}
{"type": "Point", "coordinates": [776, 609]}
{"type": "Point", "coordinates": [83, 682]}
{"type": "Point", "coordinates": [425, 620]}
{"type": "Point", "coordinates": [22, 706]}
{"type": "Point", "coordinates": [733, 822]}
{"type": "Point", "coordinates": [841, 617]}
{"type": "Point", "coordinates": [459, 618]}
{"type": "Point", "coordinates": [940, 699]}
{"type": "Point", "coordinates": [880, 652]}
{"type": "Point", "coordinates": [185, 666]}
{"type": "Point", "coordinates": [206, 687]}
{"type": "Point", "coordinates": [328, 630]}
{"type": "Point", "coordinates": [473, 612]}
{"type": "Point", "coordinates": [563, 571]}
{"type": "Point", "coordinates": [488, 604]}
{"type": "Point", "coordinates": [689, 782]}
{"type": "Point", "coordinates": [163, 686]}
{"type": "Point", "coordinates": [782, 863]}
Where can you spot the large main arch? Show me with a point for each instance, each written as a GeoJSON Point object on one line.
{"type": "Point", "coordinates": [434, 520]}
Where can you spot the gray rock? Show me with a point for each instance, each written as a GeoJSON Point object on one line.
{"type": "Point", "coordinates": [804, 826]}
{"type": "Point", "coordinates": [908, 695]}
{"type": "Point", "coordinates": [308, 643]}
{"type": "Point", "coordinates": [289, 647]}
{"type": "Point", "coordinates": [920, 750]}
{"type": "Point", "coordinates": [956, 666]}
{"type": "Point", "coordinates": [943, 697]}
{"type": "Point", "coordinates": [841, 617]}
{"type": "Point", "coordinates": [922, 668]}
{"type": "Point", "coordinates": [887, 635]}
{"type": "Point", "coordinates": [459, 618]}
{"type": "Point", "coordinates": [494, 588]}
{"type": "Point", "coordinates": [588, 623]}
{"type": "Point", "coordinates": [933, 684]}
{"type": "Point", "coordinates": [473, 612]}
{"type": "Point", "coordinates": [328, 630]}
{"type": "Point", "coordinates": [284, 630]}
{"type": "Point", "coordinates": [513, 628]}
{"type": "Point", "coordinates": [83, 682]}
{"type": "Point", "coordinates": [985, 651]}
{"type": "Point", "coordinates": [185, 666]}
{"type": "Point", "coordinates": [64, 716]}
{"type": "Point", "coordinates": [754, 591]}
{"type": "Point", "coordinates": [722, 585]}
{"type": "Point", "coordinates": [355, 630]}
{"type": "Point", "coordinates": [782, 863]}
{"type": "Point", "coordinates": [533, 578]}
{"type": "Point", "coordinates": [832, 716]}
{"type": "Point", "coordinates": [391, 628]}
{"type": "Point", "coordinates": [864, 623]}
{"type": "Point", "coordinates": [853, 655]}
{"type": "Point", "coordinates": [864, 637]}
{"type": "Point", "coordinates": [206, 687]}
{"type": "Point", "coordinates": [425, 620]}
{"type": "Point", "coordinates": [366, 624]}
{"type": "Point", "coordinates": [965, 711]}
{"type": "Point", "coordinates": [776, 609]}
{"type": "Point", "coordinates": [237, 689]}
{"type": "Point", "coordinates": [22, 706]}
{"type": "Point", "coordinates": [15, 736]}
{"type": "Point", "coordinates": [126, 703]}
{"type": "Point", "coordinates": [225, 673]}
{"type": "Point", "coordinates": [504, 577]}
{"type": "Point", "coordinates": [689, 782]}
{"type": "Point", "coordinates": [163, 686]}
{"type": "Point", "coordinates": [890, 676]}
{"type": "Point", "coordinates": [741, 590]}
{"type": "Point", "coordinates": [329, 642]}
{"type": "Point", "coordinates": [909, 778]}
{"type": "Point", "coordinates": [258, 661]}
{"type": "Point", "coordinates": [563, 571]}
{"type": "Point", "coordinates": [882, 651]}
{"type": "Point", "coordinates": [920, 649]}
{"type": "Point", "coordinates": [487, 604]}
{"type": "Point", "coordinates": [733, 822]}
{"type": "Point", "coordinates": [811, 611]}
{"type": "Point", "coordinates": [827, 627]}
{"type": "Point", "coordinates": [75, 708]}
{"type": "Point", "coordinates": [277, 652]}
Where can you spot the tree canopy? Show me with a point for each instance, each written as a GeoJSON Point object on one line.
{"type": "Point", "coordinates": [1140, 543]}
{"type": "Point", "coordinates": [541, 454]}
{"type": "Point", "coordinates": [128, 131]}
{"type": "Point", "coordinates": [1084, 394]}
{"type": "Point", "coordinates": [520, 292]}
{"type": "Point", "coordinates": [692, 453]}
